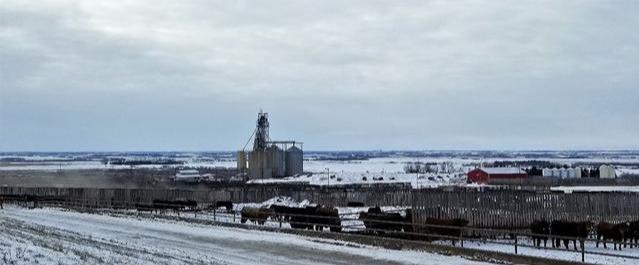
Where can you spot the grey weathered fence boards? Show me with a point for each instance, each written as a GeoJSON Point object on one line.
{"type": "Point", "coordinates": [501, 208]}
{"type": "Point", "coordinates": [517, 209]}
{"type": "Point", "coordinates": [114, 197]}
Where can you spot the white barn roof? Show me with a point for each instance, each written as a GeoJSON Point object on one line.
{"type": "Point", "coordinates": [502, 170]}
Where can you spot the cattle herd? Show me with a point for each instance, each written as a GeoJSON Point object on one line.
{"type": "Point", "coordinates": [390, 224]}
{"type": "Point", "coordinates": [623, 234]}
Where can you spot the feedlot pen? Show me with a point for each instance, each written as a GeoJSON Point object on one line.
{"type": "Point", "coordinates": [498, 219]}
{"type": "Point", "coordinates": [499, 209]}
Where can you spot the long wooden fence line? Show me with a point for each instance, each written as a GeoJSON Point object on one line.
{"type": "Point", "coordinates": [499, 208]}
{"type": "Point", "coordinates": [518, 209]}
{"type": "Point", "coordinates": [117, 197]}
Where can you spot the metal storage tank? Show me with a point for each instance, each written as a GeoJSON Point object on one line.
{"type": "Point", "coordinates": [571, 173]}
{"type": "Point", "coordinates": [241, 161]}
{"type": "Point", "coordinates": [294, 161]}
{"type": "Point", "coordinates": [277, 161]}
{"type": "Point", "coordinates": [546, 172]}
{"type": "Point", "coordinates": [259, 166]}
{"type": "Point", "coordinates": [577, 172]}
{"type": "Point", "coordinates": [606, 172]}
{"type": "Point", "coordinates": [555, 172]}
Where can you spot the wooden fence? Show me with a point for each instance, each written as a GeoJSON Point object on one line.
{"type": "Point", "coordinates": [513, 209]}
{"type": "Point", "coordinates": [335, 196]}
{"type": "Point", "coordinates": [501, 208]}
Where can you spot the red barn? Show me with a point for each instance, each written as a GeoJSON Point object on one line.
{"type": "Point", "coordinates": [482, 175]}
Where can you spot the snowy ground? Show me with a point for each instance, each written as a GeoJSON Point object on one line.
{"type": "Point", "coordinates": [345, 178]}
{"type": "Point", "coordinates": [562, 255]}
{"type": "Point", "coordinates": [596, 189]}
{"type": "Point", "coordinates": [51, 236]}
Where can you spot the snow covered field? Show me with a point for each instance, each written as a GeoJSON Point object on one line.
{"type": "Point", "coordinates": [563, 255]}
{"type": "Point", "coordinates": [52, 236]}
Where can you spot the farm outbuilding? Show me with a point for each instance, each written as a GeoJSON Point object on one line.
{"type": "Point", "coordinates": [607, 172]}
{"type": "Point", "coordinates": [482, 175]}
{"type": "Point", "coordinates": [562, 172]}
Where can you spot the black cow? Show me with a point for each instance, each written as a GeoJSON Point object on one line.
{"type": "Point", "coordinates": [326, 217]}
{"type": "Point", "coordinates": [310, 217]}
{"type": "Point", "coordinates": [614, 232]}
{"type": "Point", "coordinates": [164, 205]}
{"type": "Point", "coordinates": [408, 221]}
{"type": "Point", "coordinates": [226, 204]}
{"type": "Point", "coordinates": [376, 221]}
{"type": "Point", "coordinates": [355, 204]}
{"type": "Point", "coordinates": [300, 218]}
{"type": "Point", "coordinates": [451, 228]}
{"type": "Point", "coordinates": [540, 230]}
{"type": "Point", "coordinates": [633, 233]}
{"type": "Point", "coordinates": [283, 213]}
{"type": "Point", "coordinates": [578, 230]}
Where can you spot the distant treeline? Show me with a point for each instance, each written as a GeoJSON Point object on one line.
{"type": "Point", "coordinates": [22, 159]}
{"type": "Point", "coordinates": [527, 163]}
{"type": "Point", "coordinates": [345, 157]}
{"type": "Point", "coordinates": [137, 162]}
{"type": "Point", "coordinates": [429, 167]}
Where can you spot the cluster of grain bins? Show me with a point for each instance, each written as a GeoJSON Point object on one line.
{"type": "Point", "coordinates": [270, 159]}
{"type": "Point", "coordinates": [604, 172]}
{"type": "Point", "coordinates": [272, 163]}
{"type": "Point", "coordinates": [607, 172]}
{"type": "Point", "coordinates": [563, 173]}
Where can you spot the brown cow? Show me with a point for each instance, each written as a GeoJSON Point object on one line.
{"type": "Point", "coordinates": [614, 232]}
{"type": "Point", "coordinates": [257, 215]}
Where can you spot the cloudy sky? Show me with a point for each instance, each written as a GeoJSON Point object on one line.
{"type": "Point", "coordinates": [338, 75]}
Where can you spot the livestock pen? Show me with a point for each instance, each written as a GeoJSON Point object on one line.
{"type": "Point", "coordinates": [502, 240]}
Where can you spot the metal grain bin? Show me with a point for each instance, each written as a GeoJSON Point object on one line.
{"type": "Point", "coordinates": [277, 161]}
{"type": "Point", "coordinates": [294, 161]}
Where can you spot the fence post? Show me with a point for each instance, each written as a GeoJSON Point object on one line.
{"type": "Point", "coordinates": [215, 210]}
{"type": "Point", "coordinates": [516, 252]}
{"type": "Point", "coordinates": [583, 251]}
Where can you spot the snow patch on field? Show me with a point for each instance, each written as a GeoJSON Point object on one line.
{"type": "Point", "coordinates": [50, 236]}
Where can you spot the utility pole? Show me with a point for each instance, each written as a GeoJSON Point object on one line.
{"type": "Point", "coordinates": [328, 174]}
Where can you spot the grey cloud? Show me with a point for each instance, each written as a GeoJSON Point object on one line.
{"type": "Point", "coordinates": [190, 75]}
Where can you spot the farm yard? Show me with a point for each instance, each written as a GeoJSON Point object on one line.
{"type": "Point", "coordinates": [424, 212]}
{"type": "Point", "coordinates": [385, 223]}
{"type": "Point", "coordinates": [57, 236]}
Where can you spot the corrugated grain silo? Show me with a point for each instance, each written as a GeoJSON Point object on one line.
{"type": "Point", "coordinates": [607, 172]}
{"type": "Point", "coordinates": [294, 161]}
{"type": "Point", "coordinates": [577, 172]}
{"type": "Point", "coordinates": [259, 164]}
{"type": "Point", "coordinates": [277, 161]}
{"type": "Point", "coordinates": [241, 161]}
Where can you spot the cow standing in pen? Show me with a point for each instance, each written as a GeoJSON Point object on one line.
{"type": "Point", "coordinates": [614, 232]}
{"type": "Point", "coordinates": [451, 229]}
{"type": "Point", "coordinates": [564, 230]}
{"type": "Point", "coordinates": [540, 230]}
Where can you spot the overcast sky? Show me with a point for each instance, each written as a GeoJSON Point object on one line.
{"type": "Point", "coordinates": [337, 75]}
